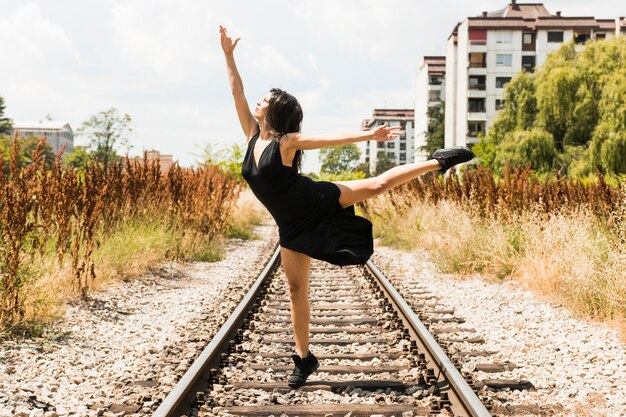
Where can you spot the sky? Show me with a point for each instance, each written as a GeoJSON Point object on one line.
{"type": "Point", "coordinates": [160, 61]}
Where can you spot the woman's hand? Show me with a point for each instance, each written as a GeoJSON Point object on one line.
{"type": "Point", "coordinates": [227, 43]}
{"type": "Point", "coordinates": [384, 133]}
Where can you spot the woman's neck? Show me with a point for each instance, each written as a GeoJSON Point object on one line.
{"type": "Point", "coordinates": [265, 134]}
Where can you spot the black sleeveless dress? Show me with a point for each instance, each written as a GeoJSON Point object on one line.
{"type": "Point", "coordinates": [308, 214]}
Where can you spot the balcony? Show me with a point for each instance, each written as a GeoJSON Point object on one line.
{"type": "Point", "coordinates": [477, 60]}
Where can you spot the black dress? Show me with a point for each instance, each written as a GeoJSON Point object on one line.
{"type": "Point", "coordinates": [308, 214]}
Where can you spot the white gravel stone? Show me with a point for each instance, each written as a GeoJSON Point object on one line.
{"type": "Point", "coordinates": [130, 343]}
{"type": "Point", "coordinates": [572, 363]}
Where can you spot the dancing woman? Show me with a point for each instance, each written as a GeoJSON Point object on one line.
{"type": "Point", "coordinates": [315, 219]}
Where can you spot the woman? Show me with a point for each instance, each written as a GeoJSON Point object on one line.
{"type": "Point", "coordinates": [315, 219]}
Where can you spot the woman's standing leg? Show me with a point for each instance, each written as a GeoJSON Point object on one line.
{"type": "Point", "coordinates": [296, 266]}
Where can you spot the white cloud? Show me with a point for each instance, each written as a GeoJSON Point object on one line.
{"type": "Point", "coordinates": [163, 39]}
{"type": "Point", "coordinates": [28, 39]}
{"type": "Point", "coordinates": [270, 61]}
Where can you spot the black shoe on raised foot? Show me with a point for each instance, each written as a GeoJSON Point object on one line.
{"type": "Point", "coordinates": [304, 367]}
{"type": "Point", "coordinates": [450, 157]}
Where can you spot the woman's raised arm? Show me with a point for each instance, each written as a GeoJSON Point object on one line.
{"type": "Point", "coordinates": [246, 119]}
{"type": "Point", "coordinates": [302, 141]}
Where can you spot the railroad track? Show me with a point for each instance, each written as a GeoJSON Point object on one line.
{"type": "Point", "coordinates": [377, 357]}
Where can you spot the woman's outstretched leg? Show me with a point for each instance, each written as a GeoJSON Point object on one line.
{"type": "Point", "coordinates": [358, 190]}
{"type": "Point", "coordinates": [296, 266]}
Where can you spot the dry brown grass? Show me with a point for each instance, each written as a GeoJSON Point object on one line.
{"type": "Point", "coordinates": [66, 231]}
{"type": "Point", "coordinates": [573, 253]}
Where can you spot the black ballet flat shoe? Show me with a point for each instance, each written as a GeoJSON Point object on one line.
{"type": "Point", "coordinates": [304, 367]}
{"type": "Point", "coordinates": [450, 157]}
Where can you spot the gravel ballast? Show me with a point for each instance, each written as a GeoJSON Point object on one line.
{"type": "Point", "coordinates": [578, 365]}
{"type": "Point", "coordinates": [121, 351]}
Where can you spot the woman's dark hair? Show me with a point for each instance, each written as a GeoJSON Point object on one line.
{"type": "Point", "coordinates": [284, 115]}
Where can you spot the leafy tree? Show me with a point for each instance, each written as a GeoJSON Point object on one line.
{"type": "Point", "coordinates": [78, 158]}
{"type": "Point", "coordinates": [341, 158]}
{"type": "Point", "coordinates": [384, 162]}
{"type": "Point", "coordinates": [5, 123]}
{"type": "Point", "coordinates": [107, 133]}
{"type": "Point", "coordinates": [435, 136]}
{"type": "Point", "coordinates": [527, 146]}
{"type": "Point", "coordinates": [228, 159]}
{"type": "Point", "coordinates": [576, 98]}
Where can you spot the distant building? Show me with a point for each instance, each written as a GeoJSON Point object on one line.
{"type": "Point", "coordinates": [484, 52]}
{"type": "Point", "coordinates": [165, 161]}
{"type": "Point", "coordinates": [430, 91]}
{"type": "Point", "coordinates": [401, 149]}
{"type": "Point", "coordinates": [57, 134]}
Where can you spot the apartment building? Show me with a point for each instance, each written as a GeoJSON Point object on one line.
{"type": "Point", "coordinates": [400, 149]}
{"type": "Point", "coordinates": [483, 53]}
{"type": "Point", "coordinates": [430, 91]}
{"type": "Point", "coordinates": [57, 134]}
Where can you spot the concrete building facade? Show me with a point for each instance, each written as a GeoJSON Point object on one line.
{"type": "Point", "coordinates": [401, 149]}
{"type": "Point", "coordinates": [483, 53]}
{"type": "Point", "coordinates": [57, 134]}
{"type": "Point", "coordinates": [430, 91]}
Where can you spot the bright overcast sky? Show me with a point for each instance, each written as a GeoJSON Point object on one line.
{"type": "Point", "coordinates": [161, 62]}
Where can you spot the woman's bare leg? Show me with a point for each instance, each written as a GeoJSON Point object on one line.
{"type": "Point", "coordinates": [358, 190]}
{"type": "Point", "coordinates": [296, 266]}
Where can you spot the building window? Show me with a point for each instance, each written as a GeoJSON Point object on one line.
{"type": "Point", "coordinates": [476, 105]}
{"type": "Point", "coordinates": [478, 37]}
{"type": "Point", "coordinates": [475, 128]}
{"type": "Point", "coordinates": [435, 80]}
{"type": "Point", "coordinates": [391, 155]}
{"type": "Point", "coordinates": [435, 95]}
{"type": "Point", "coordinates": [402, 157]}
{"type": "Point", "coordinates": [380, 144]}
{"type": "Point", "coordinates": [403, 146]}
{"type": "Point", "coordinates": [555, 36]}
{"type": "Point", "coordinates": [581, 37]}
{"type": "Point", "coordinates": [600, 36]}
{"type": "Point", "coordinates": [477, 82]}
{"type": "Point", "coordinates": [499, 103]}
{"type": "Point", "coordinates": [528, 41]}
{"type": "Point", "coordinates": [501, 82]}
{"type": "Point", "coordinates": [527, 38]}
{"type": "Point", "coordinates": [503, 36]}
{"type": "Point", "coordinates": [478, 60]}
{"type": "Point", "coordinates": [505, 60]}
{"type": "Point", "coordinates": [528, 63]}
{"type": "Point", "coordinates": [391, 145]}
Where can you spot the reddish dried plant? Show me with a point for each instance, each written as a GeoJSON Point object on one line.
{"type": "Point", "coordinates": [71, 210]}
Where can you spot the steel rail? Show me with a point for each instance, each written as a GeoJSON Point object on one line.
{"type": "Point", "coordinates": [183, 395]}
{"type": "Point", "coordinates": [466, 398]}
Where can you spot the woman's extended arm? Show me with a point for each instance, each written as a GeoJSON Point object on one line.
{"type": "Point", "coordinates": [305, 142]}
{"type": "Point", "coordinates": [246, 119]}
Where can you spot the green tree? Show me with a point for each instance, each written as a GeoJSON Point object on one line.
{"type": "Point", "coordinates": [227, 158]}
{"type": "Point", "coordinates": [384, 162]}
{"type": "Point", "coordinates": [435, 136]}
{"type": "Point", "coordinates": [576, 98]}
{"type": "Point", "coordinates": [341, 158]}
{"type": "Point", "coordinates": [521, 147]}
{"type": "Point", "coordinates": [107, 133]}
{"type": "Point", "coordinates": [6, 126]}
{"type": "Point", "coordinates": [78, 158]}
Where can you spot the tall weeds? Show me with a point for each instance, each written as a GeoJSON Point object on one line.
{"type": "Point", "coordinates": [69, 212]}
{"type": "Point", "coordinates": [564, 239]}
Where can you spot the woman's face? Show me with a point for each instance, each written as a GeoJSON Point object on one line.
{"type": "Point", "coordinates": [261, 107]}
